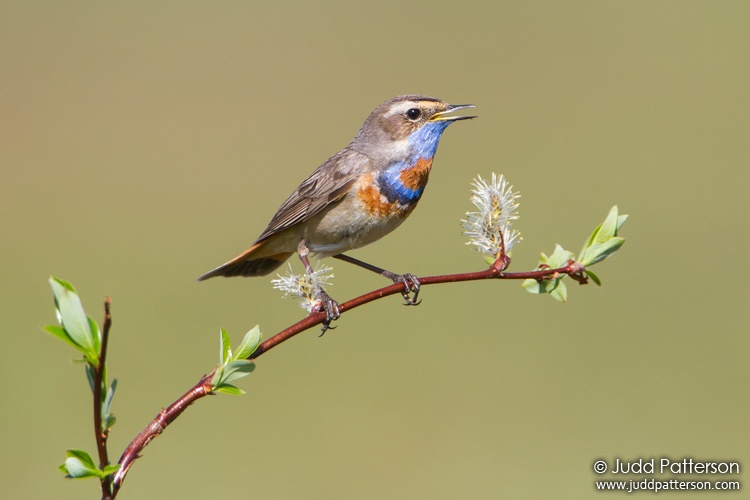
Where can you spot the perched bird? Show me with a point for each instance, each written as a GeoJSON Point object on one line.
{"type": "Point", "coordinates": [357, 196]}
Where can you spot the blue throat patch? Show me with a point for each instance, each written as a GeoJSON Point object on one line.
{"type": "Point", "coordinates": [424, 142]}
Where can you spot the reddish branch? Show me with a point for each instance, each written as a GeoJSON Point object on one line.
{"type": "Point", "coordinates": [494, 272]}
{"type": "Point", "coordinates": [101, 433]}
{"type": "Point", "coordinates": [203, 387]}
{"type": "Point", "coordinates": [157, 426]}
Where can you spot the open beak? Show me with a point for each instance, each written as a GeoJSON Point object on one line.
{"type": "Point", "coordinates": [440, 116]}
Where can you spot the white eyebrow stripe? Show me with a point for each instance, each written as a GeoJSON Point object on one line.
{"type": "Point", "coordinates": [401, 108]}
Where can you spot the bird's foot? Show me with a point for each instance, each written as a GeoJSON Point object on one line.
{"type": "Point", "coordinates": [328, 306]}
{"type": "Point", "coordinates": [411, 284]}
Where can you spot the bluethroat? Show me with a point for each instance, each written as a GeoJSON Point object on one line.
{"type": "Point", "coordinates": [356, 197]}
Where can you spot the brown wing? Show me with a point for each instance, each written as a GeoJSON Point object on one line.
{"type": "Point", "coordinates": [328, 184]}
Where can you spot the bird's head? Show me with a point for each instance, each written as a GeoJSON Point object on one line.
{"type": "Point", "coordinates": [406, 124]}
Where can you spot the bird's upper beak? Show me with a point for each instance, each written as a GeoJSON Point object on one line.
{"type": "Point", "coordinates": [441, 115]}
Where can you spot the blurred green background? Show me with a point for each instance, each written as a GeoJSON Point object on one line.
{"type": "Point", "coordinates": [143, 144]}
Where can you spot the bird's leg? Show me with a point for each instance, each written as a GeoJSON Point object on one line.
{"type": "Point", "coordinates": [327, 304]}
{"type": "Point", "coordinates": [409, 280]}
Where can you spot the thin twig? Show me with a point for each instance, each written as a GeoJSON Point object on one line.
{"type": "Point", "coordinates": [203, 387]}
{"type": "Point", "coordinates": [493, 272]}
{"type": "Point", "coordinates": [100, 433]}
{"type": "Point", "coordinates": [157, 426]}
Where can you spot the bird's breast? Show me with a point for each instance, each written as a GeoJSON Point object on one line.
{"type": "Point", "coordinates": [363, 216]}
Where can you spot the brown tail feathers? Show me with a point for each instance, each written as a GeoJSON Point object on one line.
{"type": "Point", "coordinates": [245, 265]}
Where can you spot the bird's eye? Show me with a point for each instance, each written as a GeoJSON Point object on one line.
{"type": "Point", "coordinates": [413, 114]}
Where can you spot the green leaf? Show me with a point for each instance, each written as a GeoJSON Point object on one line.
{"type": "Point", "coordinates": [592, 238]}
{"type": "Point", "coordinates": [532, 286]}
{"type": "Point", "coordinates": [72, 315]}
{"type": "Point", "coordinates": [218, 374]}
{"type": "Point", "coordinates": [229, 389]}
{"type": "Point", "coordinates": [560, 292]}
{"type": "Point", "coordinates": [96, 335]}
{"type": "Point", "coordinates": [78, 470]}
{"type": "Point", "coordinates": [248, 345]}
{"type": "Point", "coordinates": [63, 283]}
{"type": "Point", "coordinates": [81, 455]}
{"type": "Point", "coordinates": [225, 347]}
{"type": "Point", "coordinates": [108, 419]}
{"type": "Point", "coordinates": [235, 366]}
{"type": "Point", "coordinates": [73, 318]}
{"type": "Point", "coordinates": [60, 333]}
{"type": "Point", "coordinates": [90, 376]}
{"type": "Point", "coordinates": [110, 396]}
{"type": "Point", "coordinates": [237, 369]}
{"type": "Point", "coordinates": [592, 251]}
{"type": "Point", "coordinates": [620, 221]}
{"type": "Point", "coordinates": [608, 227]}
{"type": "Point", "coordinates": [593, 277]}
{"type": "Point", "coordinates": [542, 286]}
{"type": "Point", "coordinates": [110, 469]}
{"type": "Point", "coordinates": [600, 251]}
{"type": "Point", "coordinates": [559, 257]}
{"type": "Point", "coordinates": [79, 464]}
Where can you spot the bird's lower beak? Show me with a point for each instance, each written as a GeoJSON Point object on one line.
{"type": "Point", "coordinates": [441, 116]}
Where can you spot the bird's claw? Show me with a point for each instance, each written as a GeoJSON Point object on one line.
{"type": "Point", "coordinates": [331, 309]}
{"type": "Point", "coordinates": [411, 284]}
